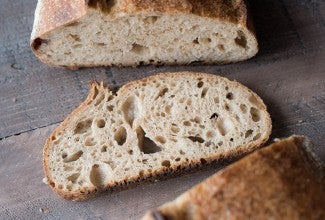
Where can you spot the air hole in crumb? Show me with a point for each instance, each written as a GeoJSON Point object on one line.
{"type": "Point", "coordinates": [198, 120]}
{"type": "Point", "coordinates": [230, 96]}
{"type": "Point", "coordinates": [231, 139]}
{"type": "Point", "coordinates": [161, 139]}
{"type": "Point", "coordinates": [196, 139]}
{"type": "Point", "coordinates": [200, 84]}
{"type": "Point", "coordinates": [165, 163]}
{"type": "Point", "coordinates": [243, 108]}
{"type": "Point", "coordinates": [64, 155]}
{"type": "Point", "coordinates": [196, 41]}
{"type": "Point", "coordinates": [256, 137]}
{"type": "Point", "coordinates": [226, 88]}
{"type": "Point", "coordinates": [90, 142]}
{"type": "Point", "coordinates": [139, 49]}
{"type": "Point", "coordinates": [204, 92]}
{"type": "Point", "coordinates": [73, 157]}
{"type": "Point", "coordinates": [248, 133]}
{"type": "Point", "coordinates": [141, 173]}
{"type": "Point", "coordinates": [174, 129]}
{"type": "Point", "coordinates": [255, 114]}
{"type": "Point", "coordinates": [161, 93]}
{"type": "Point", "coordinates": [241, 40]}
{"type": "Point", "coordinates": [224, 125]}
{"type": "Point", "coordinates": [98, 175]}
{"type": "Point", "coordinates": [101, 123]}
{"type": "Point", "coordinates": [227, 107]}
{"type": "Point", "coordinates": [120, 136]}
{"type": "Point", "coordinates": [73, 178]}
{"type": "Point", "coordinates": [221, 47]}
{"type": "Point", "coordinates": [252, 99]}
{"type": "Point", "coordinates": [187, 123]}
{"type": "Point", "coordinates": [130, 109]}
{"type": "Point", "coordinates": [110, 98]}
{"type": "Point", "coordinates": [130, 152]}
{"type": "Point", "coordinates": [75, 37]}
{"type": "Point", "coordinates": [110, 108]}
{"type": "Point", "coordinates": [167, 109]}
{"type": "Point", "coordinates": [210, 134]}
{"type": "Point", "coordinates": [146, 145]}
{"type": "Point", "coordinates": [216, 100]}
{"type": "Point", "coordinates": [220, 143]}
{"type": "Point", "coordinates": [151, 19]}
{"type": "Point", "coordinates": [214, 115]}
{"type": "Point", "coordinates": [177, 159]}
{"type": "Point", "coordinates": [205, 40]}
{"type": "Point", "coordinates": [104, 148]}
{"type": "Point", "coordinates": [83, 126]}
{"type": "Point", "coordinates": [181, 152]}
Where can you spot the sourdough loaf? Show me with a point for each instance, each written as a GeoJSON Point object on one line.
{"type": "Point", "coordinates": [282, 181]}
{"type": "Point", "coordinates": [158, 125]}
{"type": "Point", "coordinates": [132, 32]}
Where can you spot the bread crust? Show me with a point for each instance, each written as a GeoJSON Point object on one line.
{"type": "Point", "coordinates": [84, 193]}
{"type": "Point", "coordinates": [51, 15]}
{"type": "Point", "coordinates": [276, 182]}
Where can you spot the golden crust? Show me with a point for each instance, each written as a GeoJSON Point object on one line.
{"type": "Point", "coordinates": [53, 14]}
{"type": "Point", "coordinates": [277, 182]}
{"type": "Point", "coordinates": [84, 193]}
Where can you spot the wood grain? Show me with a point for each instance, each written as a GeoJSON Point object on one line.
{"type": "Point", "coordinates": [288, 73]}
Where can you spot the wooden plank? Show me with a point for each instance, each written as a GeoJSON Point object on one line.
{"type": "Point", "coordinates": [23, 194]}
{"type": "Point", "coordinates": [34, 95]}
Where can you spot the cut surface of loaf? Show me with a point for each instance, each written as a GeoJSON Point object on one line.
{"type": "Point", "coordinates": [161, 124]}
{"type": "Point", "coordinates": [132, 32]}
{"type": "Point", "coordinates": [282, 181]}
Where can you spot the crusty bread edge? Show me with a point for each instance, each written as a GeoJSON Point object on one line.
{"type": "Point", "coordinates": [300, 142]}
{"type": "Point", "coordinates": [84, 193]}
{"type": "Point", "coordinates": [44, 23]}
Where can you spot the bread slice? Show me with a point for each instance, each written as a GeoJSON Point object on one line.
{"type": "Point", "coordinates": [83, 33]}
{"type": "Point", "coordinates": [161, 124]}
{"type": "Point", "coordinates": [282, 181]}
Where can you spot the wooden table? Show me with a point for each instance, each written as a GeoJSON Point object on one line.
{"type": "Point", "coordinates": [288, 73]}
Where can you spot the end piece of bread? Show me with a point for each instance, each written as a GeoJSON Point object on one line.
{"type": "Point", "coordinates": [282, 181]}
{"type": "Point", "coordinates": [83, 33]}
{"type": "Point", "coordinates": [161, 124]}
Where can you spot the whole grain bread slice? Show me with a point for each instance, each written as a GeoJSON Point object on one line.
{"type": "Point", "coordinates": [282, 181]}
{"type": "Point", "coordinates": [83, 33]}
{"type": "Point", "coordinates": [160, 124]}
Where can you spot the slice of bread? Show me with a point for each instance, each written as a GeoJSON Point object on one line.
{"type": "Point", "coordinates": [282, 181]}
{"type": "Point", "coordinates": [161, 124]}
{"type": "Point", "coordinates": [132, 32]}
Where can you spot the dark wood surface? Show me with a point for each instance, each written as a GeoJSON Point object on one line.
{"type": "Point", "coordinates": [288, 73]}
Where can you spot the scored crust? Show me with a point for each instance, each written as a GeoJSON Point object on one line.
{"type": "Point", "coordinates": [83, 193]}
{"type": "Point", "coordinates": [52, 15]}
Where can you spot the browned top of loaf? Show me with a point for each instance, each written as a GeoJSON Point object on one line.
{"type": "Point", "coordinates": [55, 13]}
{"type": "Point", "coordinates": [277, 182]}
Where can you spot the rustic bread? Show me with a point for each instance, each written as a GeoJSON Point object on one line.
{"type": "Point", "coordinates": [282, 181]}
{"type": "Point", "coordinates": [161, 124]}
{"type": "Point", "coordinates": [132, 32]}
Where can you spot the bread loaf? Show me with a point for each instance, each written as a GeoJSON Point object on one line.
{"type": "Point", "coordinates": [158, 125]}
{"type": "Point", "coordinates": [282, 181]}
{"type": "Point", "coordinates": [83, 33]}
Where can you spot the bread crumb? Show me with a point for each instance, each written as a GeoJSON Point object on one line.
{"type": "Point", "coordinates": [46, 181]}
{"type": "Point", "coordinates": [276, 140]}
{"type": "Point", "coordinates": [44, 210]}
